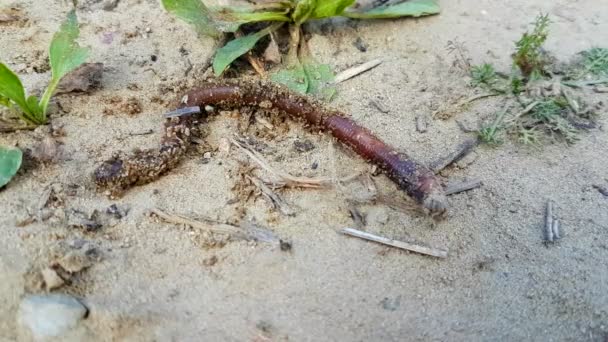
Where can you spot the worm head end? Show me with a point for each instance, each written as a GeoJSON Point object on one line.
{"type": "Point", "coordinates": [436, 203]}
{"type": "Point", "coordinates": [109, 174]}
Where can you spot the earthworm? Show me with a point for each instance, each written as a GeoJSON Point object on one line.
{"type": "Point", "coordinates": [118, 174]}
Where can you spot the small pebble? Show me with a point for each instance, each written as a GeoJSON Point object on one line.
{"type": "Point", "coordinates": [50, 315]}
{"type": "Point", "coordinates": [51, 279]}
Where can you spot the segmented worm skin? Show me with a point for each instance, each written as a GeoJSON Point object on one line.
{"type": "Point", "coordinates": [417, 180]}
{"type": "Point", "coordinates": [118, 174]}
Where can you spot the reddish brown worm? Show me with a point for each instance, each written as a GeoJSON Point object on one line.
{"type": "Point", "coordinates": [417, 180]}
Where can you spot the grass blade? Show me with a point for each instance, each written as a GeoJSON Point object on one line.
{"type": "Point", "coordinates": [414, 8]}
{"type": "Point", "coordinates": [229, 19]}
{"type": "Point", "coordinates": [238, 47]}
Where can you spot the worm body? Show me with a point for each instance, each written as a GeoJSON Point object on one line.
{"type": "Point", "coordinates": [416, 179]}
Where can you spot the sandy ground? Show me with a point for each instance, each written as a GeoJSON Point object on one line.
{"type": "Point", "coordinates": [158, 281]}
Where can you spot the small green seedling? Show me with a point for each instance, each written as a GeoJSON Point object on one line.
{"type": "Point", "coordinates": [529, 56]}
{"type": "Point", "coordinates": [10, 161]}
{"type": "Point", "coordinates": [302, 73]}
{"type": "Point", "coordinates": [491, 134]}
{"type": "Point", "coordinates": [595, 61]}
{"type": "Point", "coordinates": [483, 75]}
{"type": "Point", "coordinates": [65, 55]}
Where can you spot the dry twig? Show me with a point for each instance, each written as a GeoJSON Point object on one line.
{"type": "Point", "coordinates": [283, 179]}
{"type": "Point", "coordinates": [461, 151]}
{"type": "Point", "coordinates": [439, 253]}
{"type": "Point", "coordinates": [248, 233]}
{"type": "Point", "coordinates": [452, 189]}
{"type": "Point", "coordinates": [355, 71]}
{"type": "Point", "coordinates": [275, 200]}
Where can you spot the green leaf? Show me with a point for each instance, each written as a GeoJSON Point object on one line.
{"type": "Point", "coordinates": [320, 79]}
{"type": "Point", "coordinates": [308, 77]}
{"type": "Point", "coordinates": [238, 47]}
{"type": "Point", "coordinates": [294, 77]}
{"type": "Point", "coordinates": [330, 8]}
{"type": "Point", "coordinates": [304, 9]}
{"type": "Point", "coordinates": [65, 55]}
{"type": "Point", "coordinates": [193, 12]}
{"type": "Point", "coordinates": [5, 101]}
{"type": "Point", "coordinates": [12, 88]}
{"type": "Point", "coordinates": [10, 161]}
{"type": "Point", "coordinates": [229, 19]}
{"type": "Point", "coordinates": [414, 8]}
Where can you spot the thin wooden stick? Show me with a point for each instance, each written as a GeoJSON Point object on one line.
{"type": "Point", "coordinates": [549, 222]}
{"type": "Point", "coordinates": [460, 152]}
{"type": "Point", "coordinates": [248, 231]}
{"type": "Point", "coordinates": [214, 228]}
{"type": "Point", "coordinates": [452, 189]}
{"type": "Point", "coordinates": [439, 253]}
{"type": "Point", "coordinates": [355, 71]}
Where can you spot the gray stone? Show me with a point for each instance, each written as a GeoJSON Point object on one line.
{"type": "Point", "coordinates": [50, 315]}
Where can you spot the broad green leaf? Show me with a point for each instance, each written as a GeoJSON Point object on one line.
{"type": "Point", "coordinates": [330, 8]}
{"type": "Point", "coordinates": [229, 19]}
{"type": "Point", "coordinates": [193, 12]}
{"type": "Point", "coordinates": [238, 47]}
{"type": "Point", "coordinates": [34, 107]}
{"type": "Point", "coordinates": [65, 55]}
{"type": "Point", "coordinates": [414, 8]}
{"type": "Point", "coordinates": [320, 80]}
{"type": "Point", "coordinates": [10, 161]}
{"type": "Point", "coordinates": [12, 88]}
{"type": "Point", "coordinates": [294, 77]}
{"type": "Point", "coordinates": [5, 101]}
{"type": "Point", "coordinates": [303, 11]}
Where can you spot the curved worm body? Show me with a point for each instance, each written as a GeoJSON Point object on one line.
{"type": "Point", "coordinates": [417, 180]}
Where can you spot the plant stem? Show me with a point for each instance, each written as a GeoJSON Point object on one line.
{"type": "Point", "coordinates": [294, 44]}
{"type": "Point", "coordinates": [46, 98]}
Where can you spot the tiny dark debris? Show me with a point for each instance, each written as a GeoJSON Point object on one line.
{"type": "Point", "coordinates": [303, 145]}
{"type": "Point", "coordinates": [153, 58]}
{"type": "Point", "coordinates": [285, 245]}
{"type": "Point", "coordinates": [360, 45]}
{"type": "Point", "coordinates": [79, 219]}
{"type": "Point", "coordinates": [601, 189]}
{"type": "Point", "coordinates": [314, 165]}
{"type": "Point", "coordinates": [391, 304]}
{"type": "Point", "coordinates": [116, 211]}
{"type": "Point", "coordinates": [208, 262]}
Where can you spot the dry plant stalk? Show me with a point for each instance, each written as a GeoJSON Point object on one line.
{"type": "Point", "coordinates": [412, 247]}
{"type": "Point", "coordinates": [283, 179]}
